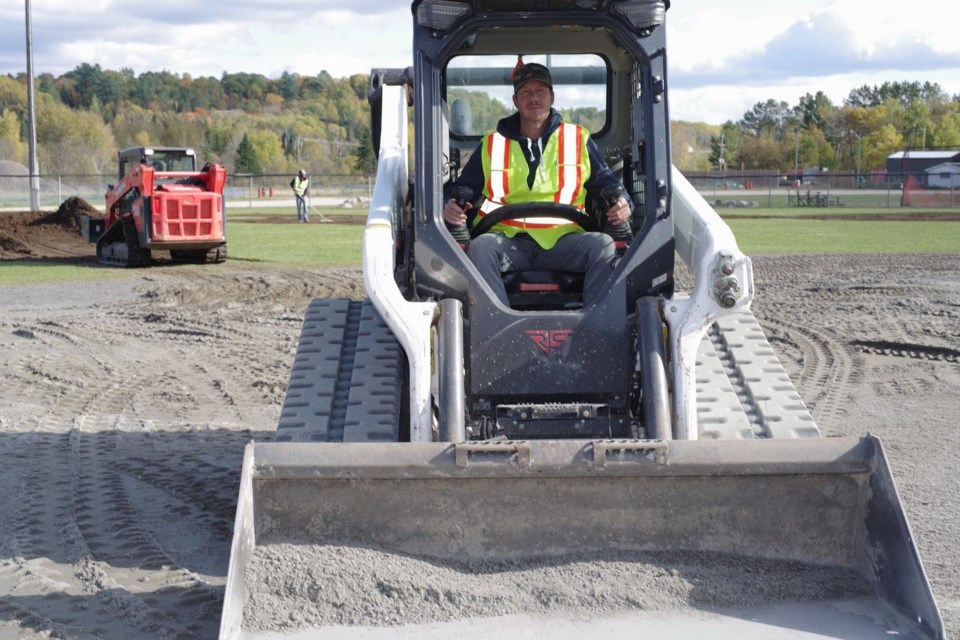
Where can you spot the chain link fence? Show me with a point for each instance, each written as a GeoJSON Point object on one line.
{"type": "Point", "coordinates": [823, 189]}
{"type": "Point", "coordinates": [242, 190]}
{"type": "Point", "coordinates": [740, 190]}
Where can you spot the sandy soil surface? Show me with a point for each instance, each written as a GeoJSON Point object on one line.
{"type": "Point", "coordinates": [125, 405]}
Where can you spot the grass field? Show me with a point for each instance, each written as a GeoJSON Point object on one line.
{"type": "Point", "coordinates": [758, 231]}
{"type": "Point", "coordinates": [255, 241]}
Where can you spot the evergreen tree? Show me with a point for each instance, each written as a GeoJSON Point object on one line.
{"type": "Point", "coordinates": [247, 161]}
{"type": "Point", "coordinates": [365, 160]}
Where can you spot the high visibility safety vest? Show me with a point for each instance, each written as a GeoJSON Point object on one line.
{"type": "Point", "coordinates": [564, 169]}
{"type": "Point", "coordinates": [300, 185]}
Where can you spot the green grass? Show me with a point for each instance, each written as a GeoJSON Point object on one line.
{"type": "Point", "coordinates": [823, 212]}
{"type": "Point", "coordinates": [314, 244]}
{"type": "Point", "coordinates": [271, 245]}
{"type": "Point", "coordinates": [758, 231]}
{"type": "Point", "coordinates": [759, 236]}
{"type": "Point", "coordinates": [14, 272]}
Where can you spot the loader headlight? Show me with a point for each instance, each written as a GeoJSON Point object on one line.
{"type": "Point", "coordinates": [440, 15]}
{"type": "Point", "coordinates": [643, 15]}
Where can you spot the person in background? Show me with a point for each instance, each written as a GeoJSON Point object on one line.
{"type": "Point", "coordinates": [301, 189]}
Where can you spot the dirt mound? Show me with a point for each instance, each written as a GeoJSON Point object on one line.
{"type": "Point", "coordinates": [35, 234]}
{"type": "Point", "coordinates": [70, 212]}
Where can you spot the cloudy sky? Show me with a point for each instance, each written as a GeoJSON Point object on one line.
{"type": "Point", "coordinates": [723, 56]}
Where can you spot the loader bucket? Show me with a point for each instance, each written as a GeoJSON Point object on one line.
{"type": "Point", "coordinates": [570, 539]}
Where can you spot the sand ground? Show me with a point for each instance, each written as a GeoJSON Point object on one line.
{"type": "Point", "coordinates": [125, 406]}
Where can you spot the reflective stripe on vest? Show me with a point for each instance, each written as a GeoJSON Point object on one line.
{"type": "Point", "coordinates": [564, 168]}
{"type": "Point", "coordinates": [569, 164]}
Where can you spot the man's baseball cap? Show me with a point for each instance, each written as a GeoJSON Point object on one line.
{"type": "Point", "coordinates": [531, 71]}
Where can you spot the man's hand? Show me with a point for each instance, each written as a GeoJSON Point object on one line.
{"type": "Point", "coordinates": [453, 214]}
{"type": "Point", "coordinates": [617, 214]}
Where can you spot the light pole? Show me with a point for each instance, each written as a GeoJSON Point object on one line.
{"type": "Point", "coordinates": [856, 184]}
{"type": "Point", "coordinates": [796, 155]}
{"type": "Point", "coordinates": [32, 121]}
{"type": "Point", "coordinates": [721, 163]}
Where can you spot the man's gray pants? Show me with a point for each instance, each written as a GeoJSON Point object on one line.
{"type": "Point", "coordinates": [590, 253]}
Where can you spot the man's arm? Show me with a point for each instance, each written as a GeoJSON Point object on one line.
{"type": "Point", "coordinates": [600, 174]}
{"type": "Point", "coordinates": [471, 177]}
{"type": "Point", "coordinates": [602, 178]}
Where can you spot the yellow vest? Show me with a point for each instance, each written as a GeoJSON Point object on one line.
{"type": "Point", "coordinates": [300, 185]}
{"type": "Point", "coordinates": [564, 169]}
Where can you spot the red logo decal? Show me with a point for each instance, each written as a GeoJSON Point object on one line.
{"type": "Point", "coordinates": [549, 339]}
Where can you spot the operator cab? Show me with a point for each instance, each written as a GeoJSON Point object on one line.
{"type": "Point", "coordinates": [479, 90]}
{"type": "Point", "coordinates": [159, 158]}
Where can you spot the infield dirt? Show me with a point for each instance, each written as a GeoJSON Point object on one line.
{"type": "Point", "coordinates": [125, 405]}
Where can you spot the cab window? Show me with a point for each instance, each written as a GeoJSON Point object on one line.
{"type": "Point", "coordinates": [479, 90]}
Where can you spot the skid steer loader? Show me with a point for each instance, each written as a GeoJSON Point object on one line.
{"type": "Point", "coordinates": [434, 428]}
{"type": "Point", "coordinates": [161, 202]}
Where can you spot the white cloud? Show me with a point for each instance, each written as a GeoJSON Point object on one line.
{"type": "Point", "coordinates": [723, 57]}
{"type": "Point", "coordinates": [721, 66]}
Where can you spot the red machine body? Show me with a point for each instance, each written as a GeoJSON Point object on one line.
{"type": "Point", "coordinates": [162, 203]}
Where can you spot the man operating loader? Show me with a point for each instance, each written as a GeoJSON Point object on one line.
{"type": "Point", "coordinates": [533, 156]}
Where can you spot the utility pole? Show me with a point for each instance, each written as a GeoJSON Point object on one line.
{"type": "Point", "coordinates": [857, 179]}
{"type": "Point", "coordinates": [720, 161]}
{"type": "Point", "coordinates": [32, 120]}
{"type": "Point", "coordinates": [796, 154]}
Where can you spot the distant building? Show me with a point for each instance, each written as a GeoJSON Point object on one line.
{"type": "Point", "coordinates": [945, 175]}
{"type": "Point", "coordinates": [916, 163]}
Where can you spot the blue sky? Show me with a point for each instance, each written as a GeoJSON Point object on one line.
{"type": "Point", "coordinates": [723, 56]}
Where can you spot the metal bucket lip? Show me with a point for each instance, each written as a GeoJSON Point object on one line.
{"type": "Point", "coordinates": [565, 458]}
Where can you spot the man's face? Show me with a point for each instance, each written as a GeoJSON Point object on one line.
{"type": "Point", "coordinates": [533, 100]}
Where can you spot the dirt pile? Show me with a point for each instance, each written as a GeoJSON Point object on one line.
{"type": "Point", "coordinates": [303, 586]}
{"type": "Point", "coordinates": [69, 214]}
{"type": "Point", "coordinates": [36, 234]}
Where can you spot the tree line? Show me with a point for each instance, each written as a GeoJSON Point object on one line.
{"type": "Point", "coordinates": [245, 121]}
{"type": "Point", "coordinates": [254, 124]}
{"type": "Point", "coordinates": [856, 136]}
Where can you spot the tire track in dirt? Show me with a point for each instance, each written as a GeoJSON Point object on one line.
{"type": "Point", "coordinates": [826, 373]}
{"type": "Point", "coordinates": [908, 350]}
{"type": "Point", "coordinates": [121, 512]}
{"type": "Point", "coordinates": [57, 564]}
{"type": "Point", "coordinates": [145, 494]}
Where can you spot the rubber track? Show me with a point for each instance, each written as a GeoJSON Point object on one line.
{"type": "Point", "coordinates": [757, 399]}
{"type": "Point", "coordinates": [346, 379]}
{"type": "Point", "coordinates": [136, 257]}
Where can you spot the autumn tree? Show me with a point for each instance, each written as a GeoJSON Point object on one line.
{"type": "Point", "coordinates": [267, 150]}
{"type": "Point", "coordinates": [73, 142]}
{"type": "Point", "coordinates": [10, 146]}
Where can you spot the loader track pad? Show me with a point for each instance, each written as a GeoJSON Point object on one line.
{"type": "Point", "coordinates": [346, 381]}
